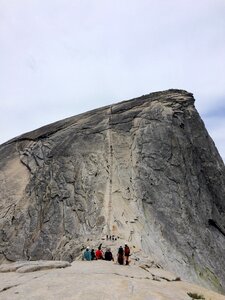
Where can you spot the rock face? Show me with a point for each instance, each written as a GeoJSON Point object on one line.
{"type": "Point", "coordinates": [144, 170]}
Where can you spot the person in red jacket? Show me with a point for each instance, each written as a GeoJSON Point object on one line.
{"type": "Point", "coordinates": [126, 254]}
{"type": "Point", "coordinates": [99, 253]}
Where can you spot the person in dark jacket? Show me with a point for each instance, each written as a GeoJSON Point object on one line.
{"type": "Point", "coordinates": [93, 254]}
{"type": "Point", "coordinates": [108, 255]}
{"type": "Point", "coordinates": [120, 255]}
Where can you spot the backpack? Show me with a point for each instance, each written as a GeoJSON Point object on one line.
{"type": "Point", "coordinates": [120, 251]}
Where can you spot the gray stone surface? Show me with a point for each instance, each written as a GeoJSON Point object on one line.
{"type": "Point", "coordinates": [145, 170]}
{"type": "Point", "coordinates": [98, 280]}
{"type": "Point", "coordinates": [31, 266]}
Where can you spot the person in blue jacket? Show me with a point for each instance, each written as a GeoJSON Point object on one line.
{"type": "Point", "coordinates": [87, 254]}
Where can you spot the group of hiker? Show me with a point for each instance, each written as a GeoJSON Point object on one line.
{"type": "Point", "coordinates": [122, 255]}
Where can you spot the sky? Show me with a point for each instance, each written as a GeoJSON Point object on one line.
{"type": "Point", "coordinates": [59, 58]}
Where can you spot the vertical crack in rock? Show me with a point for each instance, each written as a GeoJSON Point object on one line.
{"type": "Point", "coordinates": [108, 195]}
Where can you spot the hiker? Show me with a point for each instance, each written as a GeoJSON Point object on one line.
{"type": "Point", "coordinates": [120, 255]}
{"type": "Point", "coordinates": [87, 254]}
{"type": "Point", "coordinates": [93, 254]}
{"type": "Point", "coordinates": [126, 254]}
{"type": "Point", "coordinates": [108, 255]}
{"type": "Point", "coordinates": [99, 253]}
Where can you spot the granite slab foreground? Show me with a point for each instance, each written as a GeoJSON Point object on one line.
{"type": "Point", "coordinates": [98, 280]}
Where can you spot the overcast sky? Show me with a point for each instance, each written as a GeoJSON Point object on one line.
{"type": "Point", "coordinates": [59, 58]}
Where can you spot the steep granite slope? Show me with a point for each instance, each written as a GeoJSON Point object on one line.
{"type": "Point", "coordinates": [144, 170]}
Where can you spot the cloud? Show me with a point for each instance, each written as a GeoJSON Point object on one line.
{"type": "Point", "coordinates": [59, 58]}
